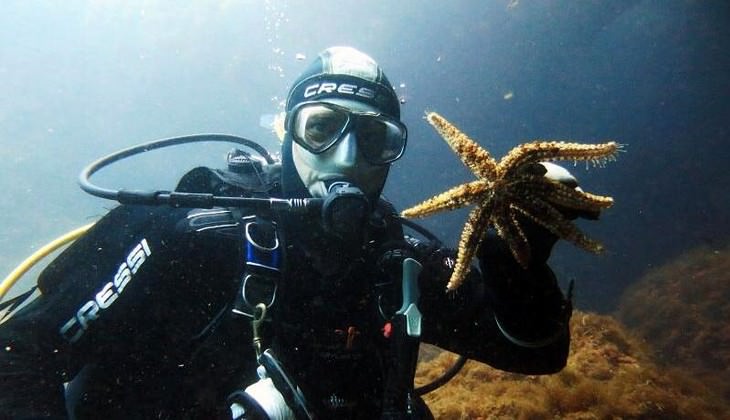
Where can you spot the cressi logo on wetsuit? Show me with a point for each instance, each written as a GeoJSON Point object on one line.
{"type": "Point", "coordinates": [74, 328]}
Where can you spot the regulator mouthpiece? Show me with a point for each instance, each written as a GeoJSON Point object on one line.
{"type": "Point", "coordinates": [345, 210]}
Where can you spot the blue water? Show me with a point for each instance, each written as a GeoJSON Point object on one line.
{"type": "Point", "coordinates": [82, 78]}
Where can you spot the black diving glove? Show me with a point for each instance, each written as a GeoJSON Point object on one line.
{"type": "Point", "coordinates": [529, 307]}
{"type": "Point", "coordinates": [541, 240]}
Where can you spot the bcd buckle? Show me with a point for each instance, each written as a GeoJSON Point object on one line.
{"type": "Point", "coordinates": [262, 270]}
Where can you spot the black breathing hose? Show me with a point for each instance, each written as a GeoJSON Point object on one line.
{"type": "Point", "coordinates": [445, 377]}
{"type": "Point", "coordinates": [179, 199]}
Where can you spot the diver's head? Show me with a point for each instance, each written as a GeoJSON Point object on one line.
{"type": "Point", "coordinates": [342, 125]}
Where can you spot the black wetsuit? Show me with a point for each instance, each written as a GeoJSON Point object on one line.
{"type": "Point", "coordinates": [139, 311]}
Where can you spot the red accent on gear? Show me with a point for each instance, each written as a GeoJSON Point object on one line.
{"type": "Point", "coordinates": [387, 330]}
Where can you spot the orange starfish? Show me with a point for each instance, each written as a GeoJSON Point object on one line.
{"type": "Point", "coordinates": [511, 188]}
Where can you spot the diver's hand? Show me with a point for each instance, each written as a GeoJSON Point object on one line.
{"type": "Point", "coordinates": [540, 239]}
{"type": "Point", "coordinates": [558, 173]}
{"type": "Point", "coordinates": [495, 254]}
{"type": "Point", "coordinates": [529, 308]}
{"type": "Point", "coordinates": [528, 304]}
{"type": "Point", "coordinates": [261, 400]}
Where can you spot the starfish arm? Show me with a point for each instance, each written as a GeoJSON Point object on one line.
{"type": "Point", "coordinates": [540, 151]}
{"type": "Point", "coordinates": [544, 214]}
{"type": "Point", "coordinates": [471, 238]}
{"type": "Point", "coordinates": [477, 159]}
{"type": "Point", "coordinates": [457, 197]}
{"type": "Point", "coordinates": [561, 195]}
{"type": "Point", "coordinates": [577, 199]}
{"type": "Point", "coordinates": [509, 229]}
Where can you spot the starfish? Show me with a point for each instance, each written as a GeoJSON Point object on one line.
{"type": "Point", "coordinates": [512, 190]}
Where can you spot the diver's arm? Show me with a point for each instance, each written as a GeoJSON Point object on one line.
{"type": "Point", "coordinates": [510, 318]}
{"type": "Point", "coordinates": [527, 307]}
{"type": "Point", "coordinates": [37, 341]}
{"type": "Point", "coordinates": [31, 364]}
{"type": "Point", "coordinates": [85, 291]}
{"type": "Point", "coordinates": [136, 271]}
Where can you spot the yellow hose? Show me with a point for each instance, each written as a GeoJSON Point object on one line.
{"type": "Point", "coordinates": [29, 262]}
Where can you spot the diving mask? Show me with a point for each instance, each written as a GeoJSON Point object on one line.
{"type": "Point", "coordinates": [318, 126]}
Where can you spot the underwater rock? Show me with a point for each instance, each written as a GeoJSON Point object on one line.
{"type": "Point", "coordinates": [609, 374]}
{"type": "Point", "coordinates": [682, 309]}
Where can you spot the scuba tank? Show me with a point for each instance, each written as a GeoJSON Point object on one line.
{"type": "Point", "coordinates": [247, 175]}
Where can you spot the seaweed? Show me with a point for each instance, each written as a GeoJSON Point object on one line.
{"type": "Point", "coordinates": [610, 373]}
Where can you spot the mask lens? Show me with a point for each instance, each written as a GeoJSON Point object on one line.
{"type": "Point", "coordinates": [380, 140]}
{"type": "Point", "coordinates": [316, 126]}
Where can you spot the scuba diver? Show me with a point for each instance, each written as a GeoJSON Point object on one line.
{"type": "Point", "coordinates": [242, 312]}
